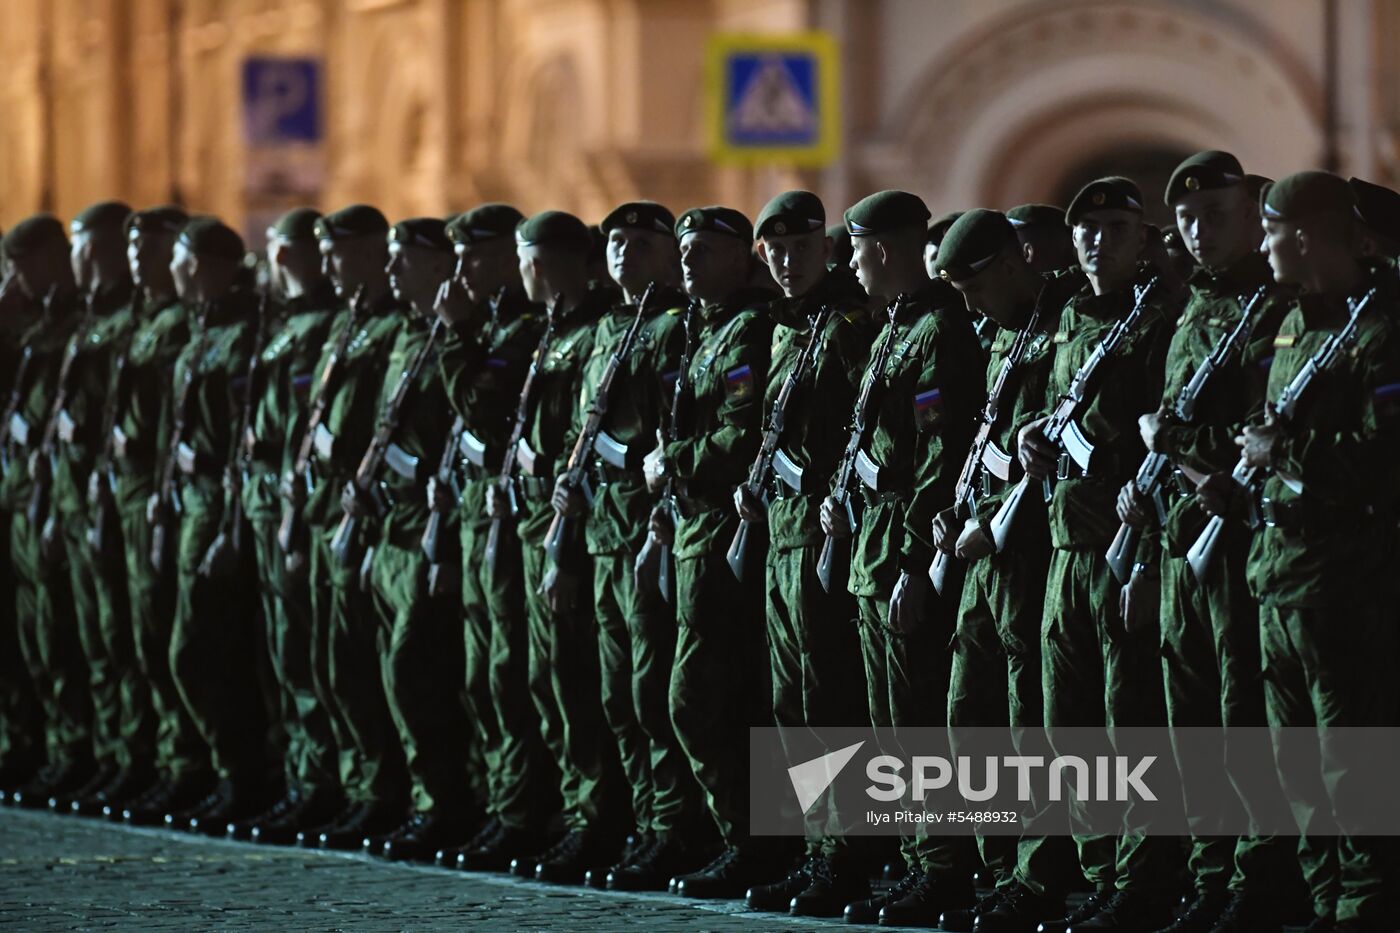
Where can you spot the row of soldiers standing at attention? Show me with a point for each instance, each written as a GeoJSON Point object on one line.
{"type": "Point", "coordinates": [443, 541]}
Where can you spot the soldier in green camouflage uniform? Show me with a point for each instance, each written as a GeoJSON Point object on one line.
{"type": "Point", "coordinates": [21, 719]}
{"type": "Point", "coordinates": [719, 683]}
{"type": "Point", "coordinates": [1100, 662]}
{"type": "Point", "coordinates": [215, 624]}
{"type": "Point", "coordinates": [283, 376]}
{"type": "Point", "coordinates": [813, 642]}
{"type": "Point", "coordinates": [344, 646]}
{"type": "Point", "coordinates": [564, 675]}
{"type": "Point", "coordinates": [1044, 237]}
{"type": "Point", "coordinates": [1322, 565]}
{"type": "Point", "coordinates": [37, 251]}
{"type": "Point", "coordinates": [144, 401]}
{"type": "Point", "coordinates": [1210, 641]}
{"type": "Point", "coordinates": [123, 721]}
{"type": "Point", "coordinates": [636, 627]}
{"type": "Point", "coordinates": [420, 649]}
{"type": "Point", "coordinates": [996, 673]}
{"type": "Point", "coordinates": [919, 421]}
{"type": "Point", "coordinates": [493, 330]}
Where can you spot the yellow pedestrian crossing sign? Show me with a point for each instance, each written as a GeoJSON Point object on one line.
{"type": "Point", "coordinates": [773, 99]}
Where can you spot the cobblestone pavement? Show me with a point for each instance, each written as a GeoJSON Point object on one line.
{"type": "Point", "coordinates": [66, 873]}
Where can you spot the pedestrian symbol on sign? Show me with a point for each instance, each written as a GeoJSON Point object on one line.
{"type": "Point", "coordinates": [773, 99]}
{"type": "Point", "coordinates": [774, 102]}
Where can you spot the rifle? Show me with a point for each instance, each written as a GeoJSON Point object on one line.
{"type": "Point", "coordinates": [344, 543]}
{"type": "Point", "coordinates": [1151, 475]}
{"type": "Point", "coordinates": [1060, 427]}
{"type": "Point", "coordinates": [291, 531]}
{"type": "Point", "coordinates": [505, 479]}
{"type": "Point", "coordinates": [165, 503]}
{"type": "Point", "coordinates": [654, 560]}
{"type": "Point", "coordinates": [42, 466]}
{"type": "Point", "coordinates": [834, 562]}
{"type": "Point", "coordinates": [229, 541]}
{"type": "Point", "coordinates": [448, 462]}
{"type": "Point", "coordinates": [574, 475]}
{"type": "Point", "coordinates": [737, 555]}
{"type": "Point", "coordinates": [1201, 555]}
{"type": "Point", "coordinates": [103, 536]}
{"type": "Point", "coordinates": [964, 497]}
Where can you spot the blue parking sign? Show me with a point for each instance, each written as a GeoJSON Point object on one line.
{"type": "Point", "coordinates": [281, 101]}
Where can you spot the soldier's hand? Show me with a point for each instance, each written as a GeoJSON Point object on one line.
{"type": "Point", "coordinates": [943, 536]}
{"type": "Point", "coordinates": [439, 495]}
{"type": "Point", "coordinates": [1131, 505]}
{"type": "Point", "coordinates": [351, 502]}
{"type": "Point", "coordinates": [495, 502]}
{"type": "Point", "coordinates": [1214, 493]}
{"type": "Point", "coordinates": [220, 560]}
{"type": "Point", "coordinates": [654, 465]}
{"type": "Point", "coordinates": [1148, 427]}
{"type": "Point", "coordinates": [1258, 440]}
{"type": "Point", "coordinates": [750, 507]}
{"type": "Point", "coordinates": [444, 579]}
{"type": "Point", "coordinates": [908, 601]}
{"type": "Point", "coordinates": [559, 589]}
{"type": "Point", "coordinates": [36, 465]}
{"type": "Point", "coordinates": [1138, 601]}
{"type": "Point", "coordinates": [975, 543]}
{"type": "Point", "coordinates": [567, 500]}
{"type": "Point", "coordinates": [153, 508]}
{"type": "Point", "coordinates": [1038, 456]}
{"type": "Point", "coordinates": [452, 303]}
{"type": "Point", "coordinates": [834, 521]}
{"type": "Point", "coordinates": [291, 491]}
{"type": "Point", "coordinates": [295, 564]}
{"type": "Point", "coordinates": [661, 527]}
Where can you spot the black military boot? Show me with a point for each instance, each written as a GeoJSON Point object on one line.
{"type": "Point", "coordinates": [1020, 910]}
{"type": "Point", "coordinates": [447, 857]}
{"type": "Point", "coordinates": [730, 875]}
{"type": "Point", "coordinates": [868, 910]}
{"type": "Point", "coordinates": [62, 801]}
{"type": "Point", "coordinates": [927, 900]}
{"type": "Point", "coordinates": [309, 837]}
{"type": "Point", "coordinates": [524, 865]}
{"type": "Point", "coordinates": [637, 845]}
{"type": "Point", "coordinates": [14, 775]}
{"type": "Point", "coordinates": [422, 841]}
{"type": "Point", "coordinates": [666, 858]}
{"type": "Point", "coordinates": [503, 851]}
{"type": "Point", "coordinates": [240, 801]}
{"type": "Point", "coordinates": [1087, 909]}
{"type": "Point", "coordinates": [834, 884]}
{"type": "Point", "coordinates": [314, 810]}
{"type": "Point", "coordinates": [582, 851]}
{"type": "Point", "coordinates": [1128, 912]}
{"type": "Point", "coordinates": [126, 785]}
{"type": "Point", "coordinates": [1201, 914]}
{"type": "Point", "coordinates": [179, 818]}
{"type": "Point", "coordinates": [50, 782]}
{"type": "Point", "coordinates": [174, 797]}
{"type": "Point", "coordinates": [376, 819]}
{"type": "Point", "coordinates": [961, 919]}
{"type": "Point", "coordinates": [776, 897]}
{"type": "Point", "coordinates": [1249, 912]}
{"type": "Point", "coordinates": [284, 806]}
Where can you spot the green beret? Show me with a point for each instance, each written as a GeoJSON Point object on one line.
{"type": "Point", "coordinates": [1378, 207]}
{"type": "Point", "coordinates": [34, 233]}
{"type": "Point", "coordinates": [165, 219]}
{"type": "Point", "coordinates": [972, 242]}
{"type": "Point", "coordinates": [1204, 171]}
{"type": "Point", "coordinates": [483, 222]}
{"type": "Point", "coordinates": [1257, 184]}
{"type": "Point", "coordinates": [1305, 194]}
{"type": "Point", "coordinates": [299, 223]}
{"type": "Point", "coordinates": [1035, 215]}
{"type": "Point", "coordinates": [354, 221]}
{"type": "Point", "coordinates": [938, 227]}
{"type": "Point", "coordinates": [884, 211]}
{"type": "Point", "coordinates": [208, 236]}
{"type": "Point", "coordinates": [554, 228]}
{"type": "Point", "coordinates": [790, 212]}
{"type": "Point", "coordinates": [641, 215]}
{"type": "Point", "coordinates": [427, 232]}
{"type": "Point", "coordinates": [716, 220]}
{"type": "Point", "coordinates": [842, 249]}
{"type": "Point", "coordinates": [102, 215]}
{"type": "Point", "coordinates": [1114, 193]}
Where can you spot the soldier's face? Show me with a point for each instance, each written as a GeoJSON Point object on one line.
{"type": "Point", "coordinates": [293, 264]}
{"type": "Point", "coordinates": [636, 258]}
{"type": "Point", "coordinates": [531, 274]}
{"type": "Point", "coordinates": [868, 261]}
{"type": "Point", "coordinates": [1108, 243]}
{"type": "Point", "coordinates": [182, 270]}
{"type": "Point", "coordinates": [1217, 227]}
{"type": "Point", "coordinates": [990, 293]}
{"type": "Point", "coordinates": [797, 261]}
{"type": "Point", "coordinates": [1284, 251]}
{"type": "Point", "coordinates": [713, 264]}
{"type": "Point", "coordinates": [353, 262]}
{"type": "Point", "coordinates": [148, 256]}
{"type": "Point", "coordinates": [930, 257]}
{"type": "Point", "coordinates": [80, 254]}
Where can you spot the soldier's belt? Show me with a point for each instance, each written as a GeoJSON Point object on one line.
{"type": "Point", "coordinates": [403, 463]}
{"type": "Point", "coordinates": [604, 473]}
{"type": "Point", "coordinates": [1294, 514]}
{"type": "Point", "coordinates": [884, 497]}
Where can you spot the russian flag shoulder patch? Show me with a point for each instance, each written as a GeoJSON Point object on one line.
{"type": "Point", "coordinates": [738, 383]}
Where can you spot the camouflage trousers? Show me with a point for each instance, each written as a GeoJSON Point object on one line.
{"type": "Point", "coordinates": [21, 716]}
